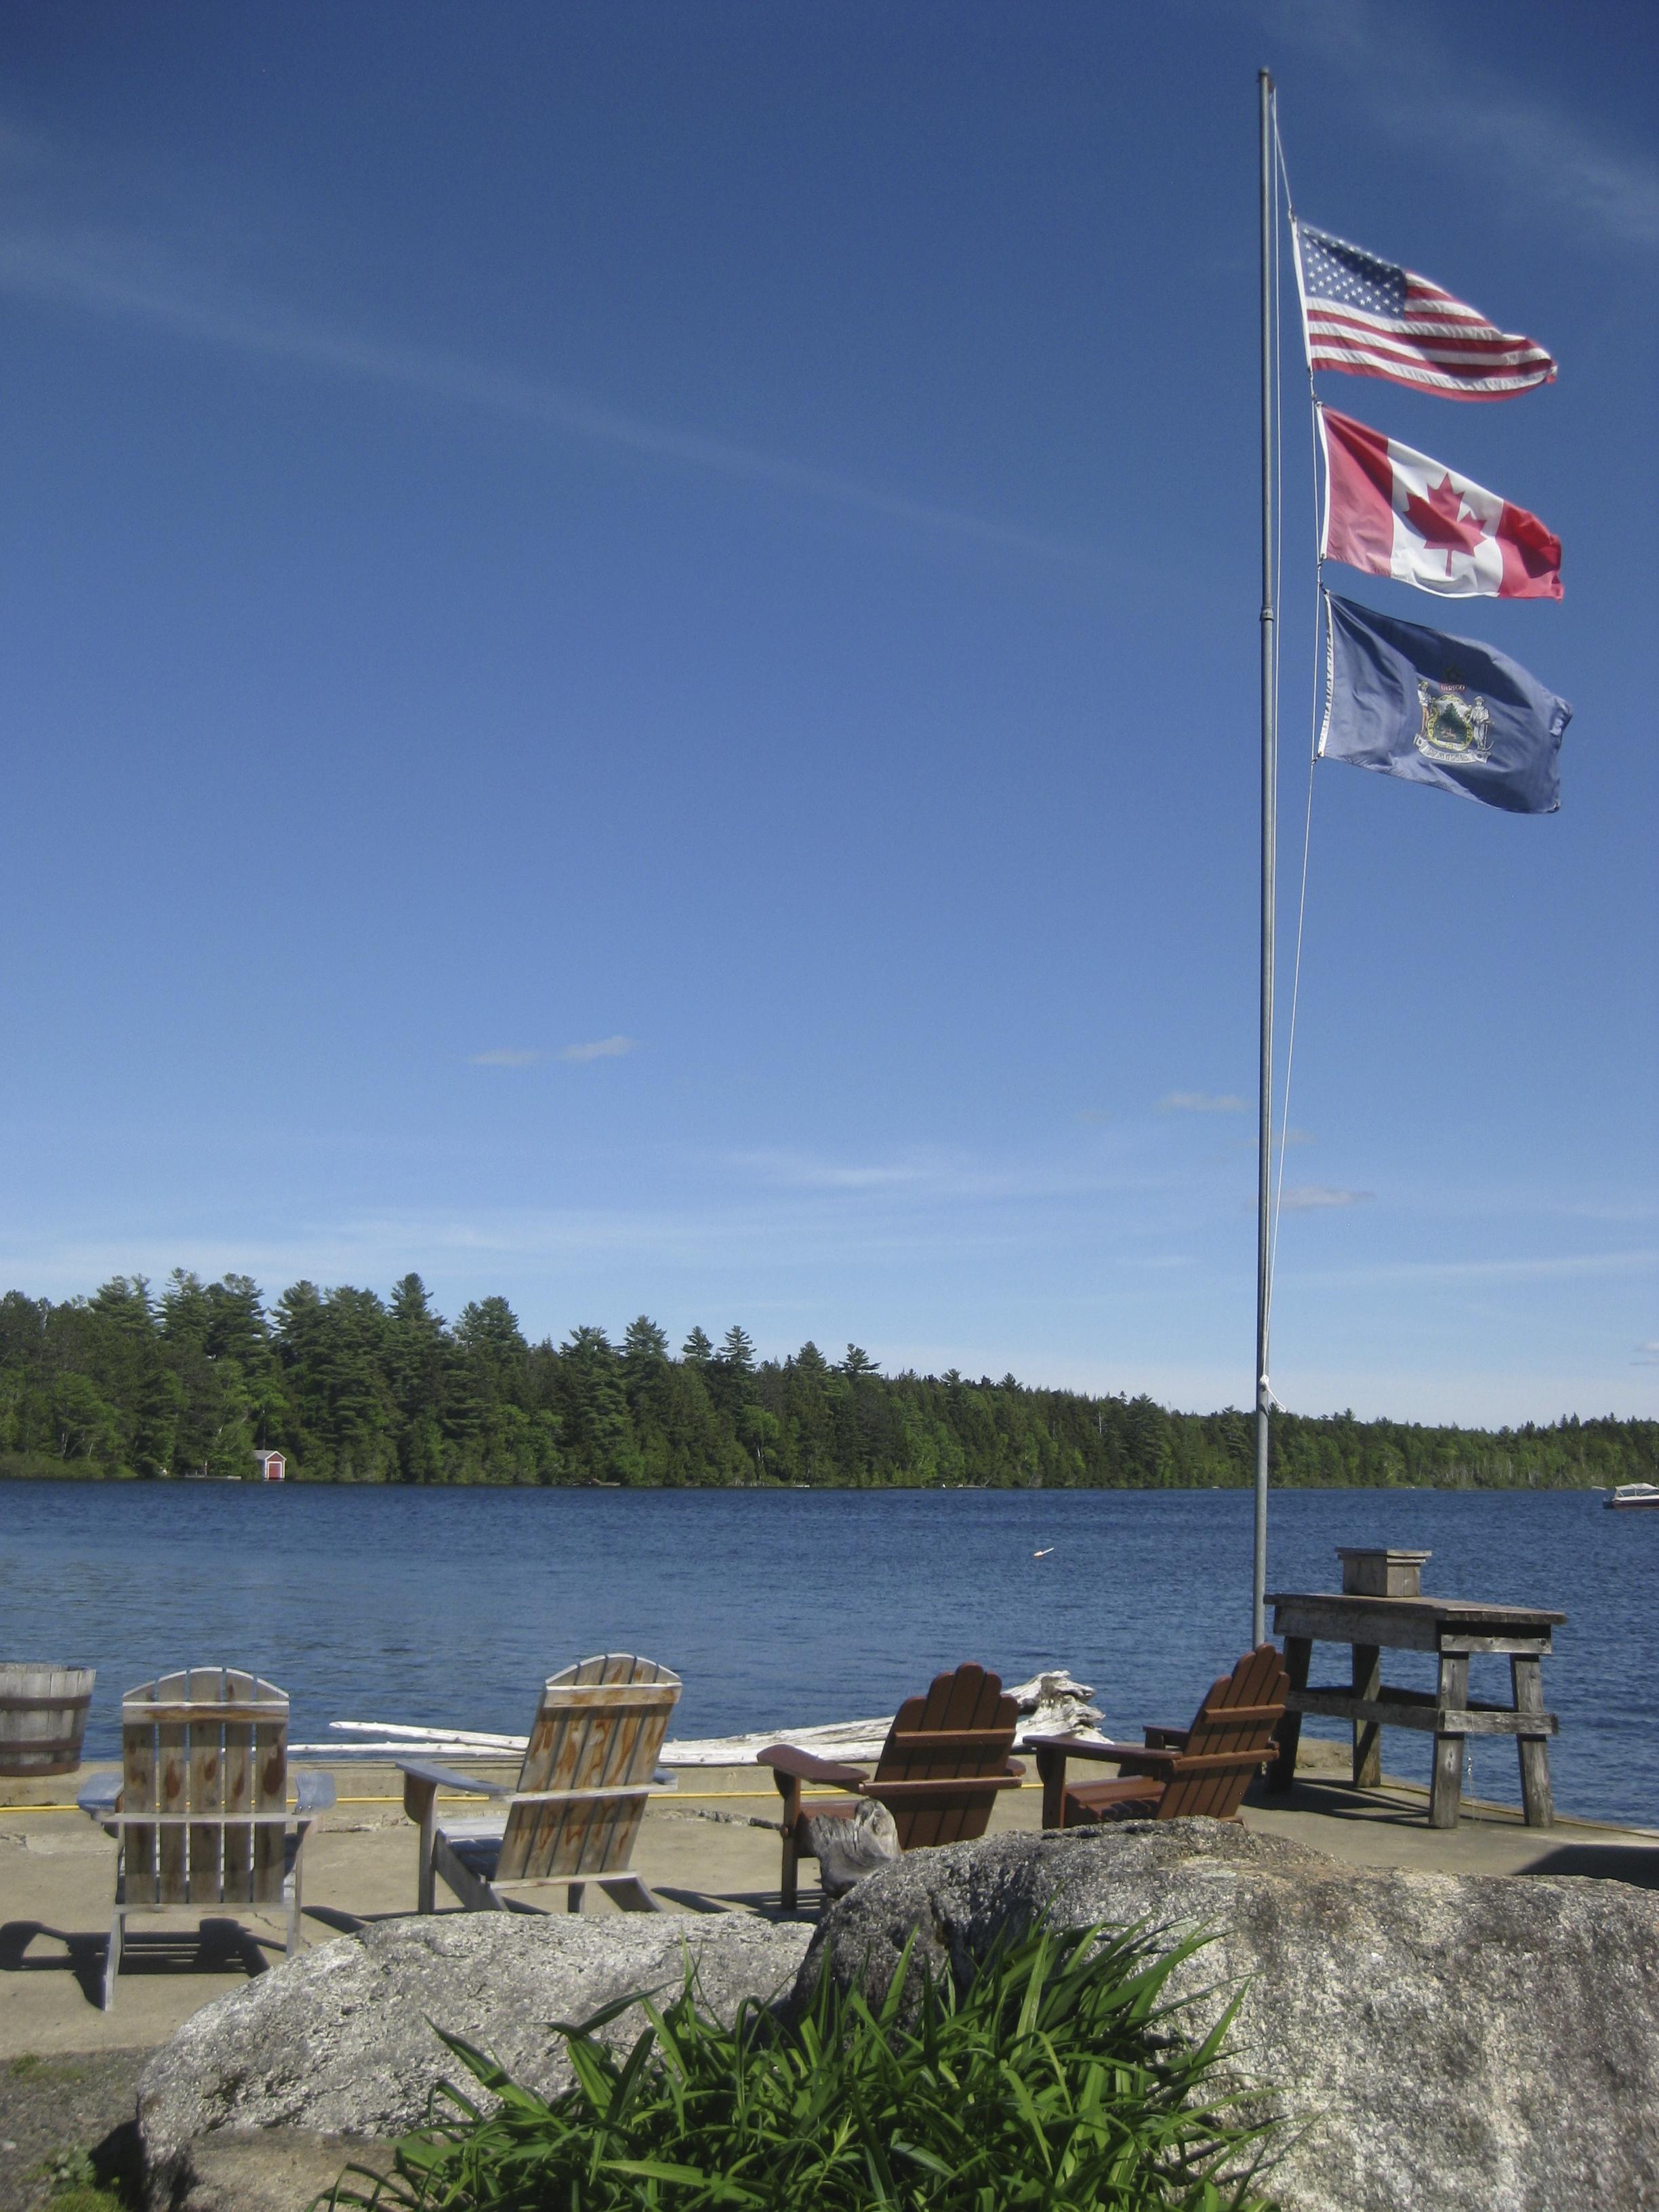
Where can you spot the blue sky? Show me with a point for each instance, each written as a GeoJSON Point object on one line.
{"type": "Point", "coordinates": [629, 658]}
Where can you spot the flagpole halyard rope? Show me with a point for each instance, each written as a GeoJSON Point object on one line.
{"type": "Point", "coordinates": [1283, 182]}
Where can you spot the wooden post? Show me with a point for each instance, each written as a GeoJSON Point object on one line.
{"type": "Point", "coordinates": [1446, 1796]}
{"type": "Point", "coordinates": [1527, 1673]}
{"type": "Point", "coordinates": [1367, 1679]}
{"type": "Point", "coordinates": [1298, 1655]}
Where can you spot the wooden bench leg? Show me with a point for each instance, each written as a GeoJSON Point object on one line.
{"type": "Point", "coordinates": [1527, 1673]}
{"type": "Point", "coordinates": [572, 1897]}
{"type": "Point", "coordinates": [1298, 1654]}
{"type": "Point", "coordinates": [1367, 1679]}
{"type": "Point", "coordinates": [1445, 1797]}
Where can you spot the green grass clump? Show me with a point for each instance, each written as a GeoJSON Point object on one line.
{"type": "Point", "coordinates": [76, 2183]}
{"type": "Point", "coordinates": [1057, 2081]}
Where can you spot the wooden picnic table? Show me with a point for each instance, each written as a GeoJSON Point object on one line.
{"type": "Point", "coordinates": [1454, 1630]}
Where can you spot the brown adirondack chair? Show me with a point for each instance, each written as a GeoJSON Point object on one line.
{"type": "Point", "coordinates": [581, 1796]}
{"type": "Point", "coordinates": [200, 1808]}
{"type": "Point", "coordinates": [945, 1759]}
{"type": "Point", "coordinates": [1204, 1769]}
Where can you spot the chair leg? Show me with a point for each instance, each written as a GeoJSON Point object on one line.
{"type": "Point", "coordinates": [1051, 1767]}
{"type": "Point", "coordinates": [421, 1803]}
{"type": "Point", "coordinates": [631, 1893]}
{"type": "Point", "coordinates": [572, 1897]}
{"type": "Point", "coordinates": [789, 1787]}
{"type": "Point", "coordinates": [112, 1958]}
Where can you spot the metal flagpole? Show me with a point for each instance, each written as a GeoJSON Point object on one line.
{"type": "Point", "coordinates": [1269, 796]}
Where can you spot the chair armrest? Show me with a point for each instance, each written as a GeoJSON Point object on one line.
{"type": "Point", "coordinates": [446, 1778]}
{"type": "Point", "coordinates": [1146, 1759]}
{"type": "Point", "coordinates": [1160, 1737]}
{"type": "Point", "coordinates": [101, 1797]}
{"type": "Point", "coordinates": [314, 1792]}
{"type": "Point", "coordinates": [941, 1789]}
{"type": "Point", "coordinates": [806, 1766]}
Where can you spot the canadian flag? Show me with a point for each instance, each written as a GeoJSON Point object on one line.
{"type": "Point", "coordinates": [1394, 512]}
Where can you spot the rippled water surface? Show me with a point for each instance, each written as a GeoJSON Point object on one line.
{"type": "Point", "coordinates": [782, 1607]}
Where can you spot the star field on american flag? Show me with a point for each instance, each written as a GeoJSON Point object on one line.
{"type": "Point", "coordinates": [1334, 270]}
{"type": "Point", "coordinates": [1368, 317]}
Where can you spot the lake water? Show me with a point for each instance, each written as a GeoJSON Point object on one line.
{"type": "Point", "coordinates": [783, 1608]}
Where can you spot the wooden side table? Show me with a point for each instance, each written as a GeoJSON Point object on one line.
{"type": "Point", "coordinates": [1453, 1629]}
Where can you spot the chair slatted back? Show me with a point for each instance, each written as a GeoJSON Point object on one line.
{"type": "Point", "coordinates": [1231, 1736]}
{"type": "Point", "coordinates": [205, 1751]}
{"type": "Point", "coordinates": [597, 1739]}
{"type": "Point", "coordinates": [962, 1731]}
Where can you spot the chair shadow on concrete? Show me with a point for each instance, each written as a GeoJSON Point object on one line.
{"type": "Point", "coordinates": [346, 1924]}
{"type": "Point", "coordinates": [694, 1901]}
{"type": "Point", "coordinates": [1630, 1863]}
{"type": "Point", "coordinates": [216, 1947]}
{"type": "Point", "coordinates": [1341, 1801]}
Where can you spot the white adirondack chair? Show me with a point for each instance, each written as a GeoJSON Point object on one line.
{"type": "Point", "coordinates": [581, 1794]}
{"type": "Point", "coordinates": [200, 1807]}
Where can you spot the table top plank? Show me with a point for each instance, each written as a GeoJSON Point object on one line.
{"type": "Point", "coordinates": [1447, 1611]}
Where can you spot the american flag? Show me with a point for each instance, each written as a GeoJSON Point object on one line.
{"type": "Point", "coordinates": [1368, 318]}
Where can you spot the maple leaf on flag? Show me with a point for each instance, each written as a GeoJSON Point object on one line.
{"type": "Point", "coordinates": [1440, 520]}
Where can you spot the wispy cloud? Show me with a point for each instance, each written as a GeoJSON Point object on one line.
{"type": "Point", "coordinates": [508, 1055]}
{"type": "Point", "coordinates": [127, 279]}
{"type": "Point", "coordinates": [1093, 1114]}
{"type": "Point", "coordinates": [915, 1182]}
{"type": "Point", "coordinates": [1314, 1197]}
{"type": "Point", "coordinates": [796, 1171]}
{"type": "Point", "coordinates": [1521, 1268]}
{"type": "Point", "coordinates": [1477, 115]}
{"type": "Point", "coordinates": [1200, 1102]}
{"type": "Point", "coordinates": [610, 1048]}
{"type": "Point", "coordinates": [1291, 1137]}
{"type": "Point", "coordinates": [1647, 1355]}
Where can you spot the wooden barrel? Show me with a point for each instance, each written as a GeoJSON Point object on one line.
{"type": "Point", "coordinates": [43, 1716]}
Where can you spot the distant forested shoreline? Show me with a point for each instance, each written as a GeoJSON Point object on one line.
{"type": "Point", "coordinates": [131, 1384]}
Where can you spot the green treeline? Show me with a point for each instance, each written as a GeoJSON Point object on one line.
{"type": "Point", "coordinates": [356, 1389]}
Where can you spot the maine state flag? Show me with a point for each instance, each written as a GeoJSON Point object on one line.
{"type": "Point", "coordinates": [1411, 702]}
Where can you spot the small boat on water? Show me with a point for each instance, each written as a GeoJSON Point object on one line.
{"type": "Point", "coordinates": [1631, 1494]}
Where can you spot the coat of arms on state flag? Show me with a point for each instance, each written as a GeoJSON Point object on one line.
{"type": "Point", "coordinates": [1449, 711]}
{"type": "Point", "coordinates": [1396, 513]}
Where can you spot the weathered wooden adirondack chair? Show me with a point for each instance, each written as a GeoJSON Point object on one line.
{"type": "Point", "coordinates": [1204, 1769]}
{"type": "Point", "coordinates": [945, 1759]}
{"type": "Point", "coordinates": [581, 1796]}
{"type": "Point", "coordinates": [200, 1806]}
